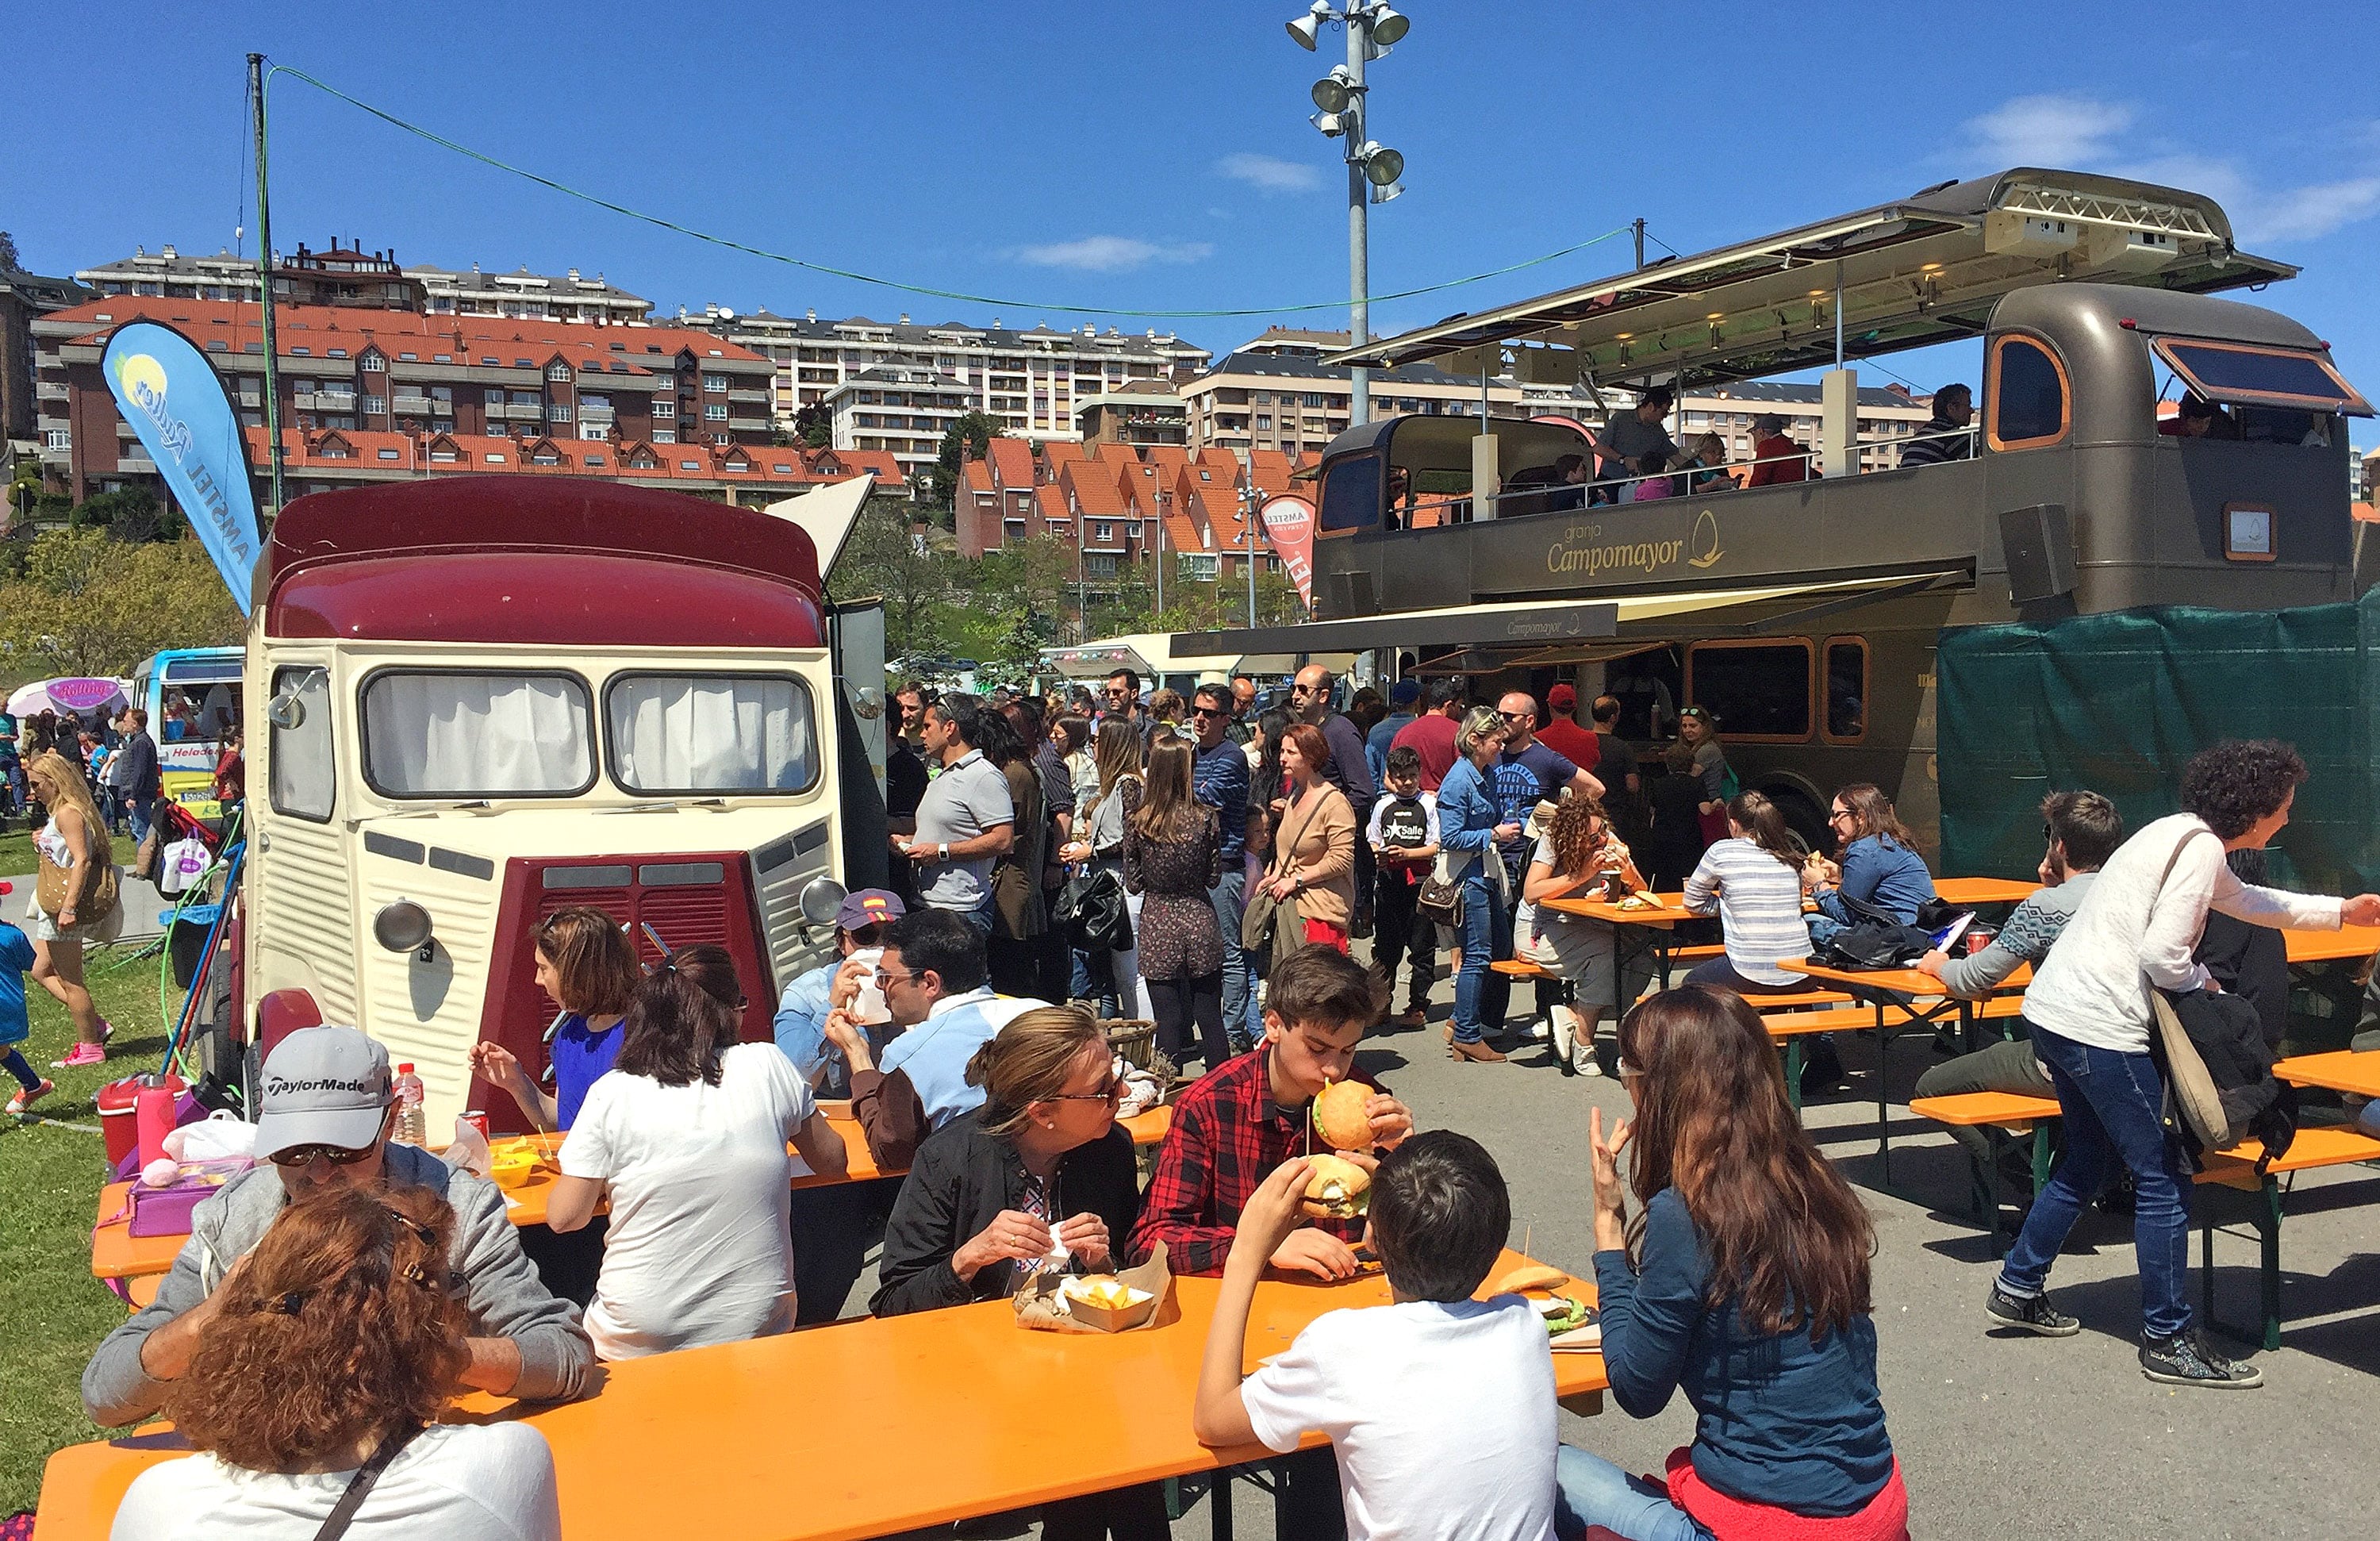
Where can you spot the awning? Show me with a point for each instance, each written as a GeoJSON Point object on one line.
{"type": "Point", "coordinates": [1544, 626]}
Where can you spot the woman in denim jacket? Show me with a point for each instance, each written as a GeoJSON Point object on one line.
{"type": "Point", "coordinates": [1881, 868]}
{"type": "Point", "coordinates": [1468, 835]}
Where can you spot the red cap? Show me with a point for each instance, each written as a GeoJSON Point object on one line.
{"type": "Point", "coordinates": [1562, 697]}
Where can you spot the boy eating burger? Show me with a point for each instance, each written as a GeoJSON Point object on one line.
{"type": "Point", "coordinates": [1236, 1127]}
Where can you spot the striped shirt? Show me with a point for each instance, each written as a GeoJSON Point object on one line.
{"type": "Point", "coordinates": [1759, 904]}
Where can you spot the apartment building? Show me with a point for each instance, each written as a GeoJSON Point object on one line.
{"type": "Point", "coordinates": [1275, 394]}
{"type": "Point", "coordinates": [900, 409]}
{"type": "Point", "coordinates": [1118, 504]}
{"type": "Point", "coordinates": [1139, 415]}
{"type": "Point", "coordinates": [303, 278]}
{"type": "Point", "coordinates": [23, 298]}
{"type": "Point", "coordinates": [1028, 381]}
{"type": "Point", "coordinates": [491, 393]}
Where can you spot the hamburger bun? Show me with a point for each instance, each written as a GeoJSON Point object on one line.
{"type": "Point", "coordinates": [1336, 1188]}
{"type": "Point", "coordinates": [1340, 1117]}
{"type": "Point", "coordinates": [1529, 1276]}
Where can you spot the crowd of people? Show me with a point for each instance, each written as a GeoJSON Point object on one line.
{"type": "Point", "coordinates": [1731, 1258]}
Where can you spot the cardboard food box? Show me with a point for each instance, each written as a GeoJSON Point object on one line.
{"type": "Point", "coordinates": [1047, 1302]}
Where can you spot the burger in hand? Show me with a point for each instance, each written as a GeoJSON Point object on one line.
{"type": "Point", "coordinates": [1336, 1188]}
{"type": "Point", "coordinates": [1342, 1115]}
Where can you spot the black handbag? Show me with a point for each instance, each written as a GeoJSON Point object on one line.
{"type": "Point", "coordinates": [1092, 913]}
{"type": "Point", "coordinates": [1440, 901]}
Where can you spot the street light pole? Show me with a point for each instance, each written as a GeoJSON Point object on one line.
{"type": "Point", "coordinates": [1359, 233]}
{"type": "Point", "coordinates": [1373, 27]}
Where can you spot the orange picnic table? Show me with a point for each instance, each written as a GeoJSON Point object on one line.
{"type": "Point", "coordinates": [890, 1425]}
{"type": "Point", "coordinates": [116, 1253]}
{"type": "Point", "coordinates": [2345, 1070]}
{"type": "Point", "coordinates": [2348, 941]}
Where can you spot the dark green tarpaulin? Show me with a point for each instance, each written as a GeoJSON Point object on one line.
{"type": "Point", "coordinates": [2118, 702]}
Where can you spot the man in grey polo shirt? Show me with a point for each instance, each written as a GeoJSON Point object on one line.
{"type": "Point", "coordinates": [965, 820]}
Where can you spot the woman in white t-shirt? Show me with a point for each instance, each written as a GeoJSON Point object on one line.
{"type": "Point", "coordinates": [686, 1136]}
{"type": "Point", "coordinates": [289, 1418]}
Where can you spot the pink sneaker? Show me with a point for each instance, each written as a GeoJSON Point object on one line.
{"type": "Point", "coordinates": [24, 1100]}
{"type": "Point", "coordinates": [82, 1054]}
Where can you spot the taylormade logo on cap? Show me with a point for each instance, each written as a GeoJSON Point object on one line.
{"type": "Point", "coordinates": [324, 1085]}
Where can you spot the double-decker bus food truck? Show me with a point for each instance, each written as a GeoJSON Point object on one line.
{"type": "Point", "coordinates": [475, 701]}
{"type": "Point", "coordinates": [1805, 615]}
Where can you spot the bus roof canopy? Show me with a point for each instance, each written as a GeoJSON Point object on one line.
{"type": "Point", "coordinates": [1922, 270]}
{"type": "Point", "coordinates": [1154, 654]}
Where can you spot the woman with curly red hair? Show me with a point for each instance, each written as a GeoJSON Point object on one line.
{"type": "Point", "coordinates": [319, 1382]}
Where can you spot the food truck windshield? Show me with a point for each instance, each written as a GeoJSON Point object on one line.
{"type": "Point", "coordinates": [450, 734]}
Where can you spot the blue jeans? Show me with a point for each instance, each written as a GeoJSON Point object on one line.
{"type": "Point", "coordinates": [138, 808]}
{"type": "Point", "coordinates": [1229, 898]}
{"type": "Point", "coordinates": [2111, 1104]}
{"type": "Point", "coordinates": [1589, 1490]}
{"type": "Point", "coordinates": [1487, 936]}
{"type": "Point", "coordinates": [980, 917]}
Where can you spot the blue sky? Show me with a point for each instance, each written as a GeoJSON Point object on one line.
{"type": "Point", "coordinates": [1158, 157]}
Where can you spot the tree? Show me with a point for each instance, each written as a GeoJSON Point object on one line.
{"type": "Point", "coordinates": [8, 258]}
{"type": "Point", "coordinates": [885, 558]}
{"type": "Point", "coordinates": [1023, 585]}
{"type": "Point", "coordinates": [814, 426]}
{"type": "Point", "coordinates": [131, 516]}
{"type": "Point", "coordinates": [973, 432]}
{"type": "Point", "coordinates": [88, 604]}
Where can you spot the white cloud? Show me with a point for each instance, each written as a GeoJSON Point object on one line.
{"type": "Point", "coordinates": [2263, 213]}
{"type": "Point", "coordinates": [2049, 130]}
{"type": "Point", "coordinates": [1269, 174]}
{"type": "Point", "coordinates": [1111, 253]}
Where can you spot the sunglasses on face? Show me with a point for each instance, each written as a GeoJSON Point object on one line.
{"type": "Point", "coordinates": [298, 1156]}
{"type": "Point", "coordinates": [1514, 716]}
{"type": "Point", "coordinates": [1112, 1092]}
{"type": "Point", "coordinates": [1207, 711]}
{"type": "Point", "coordinates": [886, 978]}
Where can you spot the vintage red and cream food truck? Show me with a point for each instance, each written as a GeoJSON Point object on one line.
{"type": "Point", "coordinates": [475, 702]}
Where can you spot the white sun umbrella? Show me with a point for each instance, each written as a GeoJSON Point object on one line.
{"type": "Point", "coordinates": [67, 694]}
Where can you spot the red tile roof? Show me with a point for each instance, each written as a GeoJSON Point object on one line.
{"type": "Point", "coordinates": [1093, 492]}
{"type": "Point", "coordinates": [317, 328]}
{"type": "Point", "coordinates": [1011, 463]}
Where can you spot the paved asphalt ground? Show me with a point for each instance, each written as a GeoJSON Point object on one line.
{"type": "Point", "coordinates": [1998, 1436]}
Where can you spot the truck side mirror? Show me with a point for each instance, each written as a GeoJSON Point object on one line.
{"type": "Point", "coordinates": [867, 702]}
{"type": "Point", "coordinates": [285, 711]}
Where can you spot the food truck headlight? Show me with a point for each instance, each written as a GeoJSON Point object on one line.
{"type": "Point", "coordinates": [819, 902]}
{"type": "Point", "coordinates": [404, 926]}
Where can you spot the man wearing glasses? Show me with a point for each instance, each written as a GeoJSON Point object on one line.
{"type": "Point", "coordinates": [1120, 698]}
{"type": "Point", "coordinates": [1220, 777]}
{"type": "Point", "coordinates": [325, 1117]}
{"type": "Point", "coordinates": [933, 978]}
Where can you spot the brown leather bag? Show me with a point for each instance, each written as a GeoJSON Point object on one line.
{"type": "Point", "coordinates": [54, 884]}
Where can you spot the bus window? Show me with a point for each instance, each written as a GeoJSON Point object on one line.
{"type": "Point", "coordinates": [1351, 495]}
{"type": "Point", "coordinates": [1755, 689]}
{"type": "Point", "coordinates": [436, 733]}
{"type": "Point", "coordinates": [2028, 394]}
{"type": "Point", "coordinates": [304, 775]}
{"type": "Point", "coordinates": [1846, 689]}
{"type": "Point", "coordinates": [711, 734]}
{"type": "Point", "coordinates": [1647, 686]}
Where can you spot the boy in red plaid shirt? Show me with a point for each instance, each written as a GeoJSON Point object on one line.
{"type": "Point", "coordinates": [1237, 1124]}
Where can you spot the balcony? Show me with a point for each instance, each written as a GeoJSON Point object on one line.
{"type": "Point", "coordinates": [411, 406]}
{"type": "Point", "coordinates": [137, 464]}
{"type": "Point", "coordinates": [441, 406]}
{"type": "Point", "coordinates": [49, 389]}
{"type": "Point", "coordinates": [59, 454]}
{"type": "Point", "coordinates": [749, 425]}
{"type": "Point", "coordinates": [748, 396]}
{"type": "Point", "coordinates": [594, 414]}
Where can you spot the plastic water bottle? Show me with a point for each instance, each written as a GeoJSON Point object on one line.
{"type": "Point", "coordinates": [411, 1122]}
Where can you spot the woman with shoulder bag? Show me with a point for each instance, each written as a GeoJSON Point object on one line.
{"type": "Point", "coordinates": [75, 900]}
{"type": "Point", "coordinates": [2091, 1018]}
{"type": "Point", "coordinates": [1116, 975]}
{"type": "Point", "coordinates": [1314, 853]}
{"type": "Point", "coordinates": [1019, 915]}
{"type": "Point", "coordinates": [1468, 833]}
{"type": "Point", "coordinates": [1172, 855]}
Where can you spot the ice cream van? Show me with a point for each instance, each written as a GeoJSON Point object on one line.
{"type": "Point", "coordinates": [473, 702]}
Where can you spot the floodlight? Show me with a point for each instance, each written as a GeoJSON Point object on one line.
{"type": "Point", "coordinates": [1334, 91]}
{"type": "Point", "coordinates": [1307, 28]}
{"type": "Point", "coordinates": [1383, 195]}
{"type": "Point", "coordinates": [1389, 25]}
{"type": "Point", "coordinates": [1381, 164]}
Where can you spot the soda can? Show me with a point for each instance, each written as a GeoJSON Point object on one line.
{"type": "Point", "coordinates": [1979, 938]}
{"type": "Point", "coordinates": [479, 1121]}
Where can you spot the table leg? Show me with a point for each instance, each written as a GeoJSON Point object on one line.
{"type": "Point", "coordinates": [1793, 1073]}
{"type": "Point", "coordinates": [1883, 1096]}
{"type": "Point", "coordinates": [1218, 1507]}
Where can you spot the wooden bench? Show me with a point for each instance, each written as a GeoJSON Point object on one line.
{"type": "Point", "coordinates": [1522, 968]}
{"type": "Point", "coordinates": [2323, 1146]}
{"type": "Point", "coordinates": [2000, 1115]}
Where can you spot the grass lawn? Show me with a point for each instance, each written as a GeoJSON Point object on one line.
{"type": "Point", "coordinates": [16, 851]}
{"type": "Point", "coordinates": [52, 1311]}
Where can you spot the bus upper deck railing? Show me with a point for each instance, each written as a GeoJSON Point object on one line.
{"type": "Point", "coordinates": [1568, 497]}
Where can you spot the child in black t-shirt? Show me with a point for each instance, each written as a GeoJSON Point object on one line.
{"type": "Point", "coordinates": [1403, 837]}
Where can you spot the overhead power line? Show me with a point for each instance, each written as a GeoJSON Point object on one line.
{"type": "Point", "coordinates": [456, 147]}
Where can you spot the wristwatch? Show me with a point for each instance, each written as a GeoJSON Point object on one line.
{"type": "Point", "coordinates": [943, 851]}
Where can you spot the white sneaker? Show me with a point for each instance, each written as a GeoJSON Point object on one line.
{"type": "Point", "coordinates": [1539, 1029]}
{"type": "Point", "coordinates": [1583, 1059]}
{"type": "Point", "coordinates": [1559, 1029]}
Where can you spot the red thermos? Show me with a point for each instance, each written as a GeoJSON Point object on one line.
{"type": "Point", "coordinates": [153, 1117]}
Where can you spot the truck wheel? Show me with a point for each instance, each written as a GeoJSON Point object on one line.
{"type": "Point", "coordinates": [1805, 818]}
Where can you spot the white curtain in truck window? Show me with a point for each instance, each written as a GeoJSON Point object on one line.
{"type": "Point", "coordinates": [711, 734]}
{"type": "Point", "coordinates": [478, 735]}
